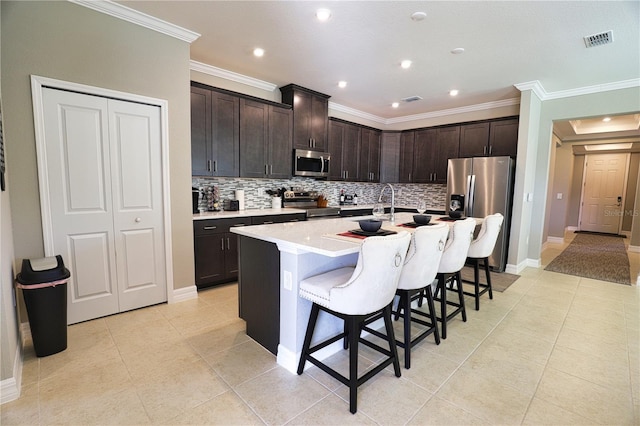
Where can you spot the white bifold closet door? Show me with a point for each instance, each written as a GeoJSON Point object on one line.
{"type": "Point", "coordinates": [103, 171]}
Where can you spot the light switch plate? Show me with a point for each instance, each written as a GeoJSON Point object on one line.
{"type": "Point", "coordinates": [288, 280]}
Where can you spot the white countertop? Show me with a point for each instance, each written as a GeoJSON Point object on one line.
{"type": "Point", "coordinates": [319, 236]}
{"type": "Point", "coordinates": [245, 213]}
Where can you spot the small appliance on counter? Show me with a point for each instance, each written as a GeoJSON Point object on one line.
{"type": "Point", "coordinates": [195, 198]}
{"type": "Point", "coordinates": [232, 205]}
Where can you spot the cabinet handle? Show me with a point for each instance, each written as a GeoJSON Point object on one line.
{"type": "Point", "coordinates": [484, 150]}
{"type": "Point", "coordinates": [435, 176]}
{"type": "Point", "coordinates": [209, 228]}
{"type": "Point", "coordinates": [346, 174]}
{"type": "Point", "coordinates": [222, 244]}
{"type": "Point", "coordinates": [215, 166]}
{"type": "Point", "coordinates": [409, 177]}
{"type": "Point", "coordinates": [270, 169]}
{"type": "Point", "coordinates": [267, 223]}
{"type": "Point", "coordinates": [293, 220]}
{"type": "Point", "coordinates": [208, 165]}
{"type": "Point", "coordinates": [228, 246]}
{"type": "Point", "coordinates": [238, 224]}
{"type": "Point", "coordinates": [490, 149]}
{"type": "Point", "coordinates": [266, 169]}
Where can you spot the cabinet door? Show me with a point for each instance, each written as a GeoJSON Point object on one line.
{"type": "Point", "coordinates": [336, 136]}
{"type": "Point", "coordinates": [279, 144]}
{"type": "Point", "coordinates": [503, 138]}
{"type": "Point", "coordinates": [389, 159]}
{"type": "Point", "coordinates": [350, 143]}
{"type": "Point", "coordinates": [225, 159]}
{"type": "Point", "coordinates": [374, 156]}
{"type": "Point", "coordinates": [209, 251]}
{"type": "Point", "coordinates": [254, 123]}
{"type": "Point", "coordinates": [474, 139]}
{"type": "Point", "coordinates": [406, 157]}
{"type": "Point", "coordinates": [424, 153]}
{"type": "Point", "coordinates": [363, 162]}
{"type": "Point", "coordinates": [447, 146]}
{"type": "Point", "coordinates": [200, 132]}
{"type": "Point", "coordinates": [302, 116]}
{"type": "Point", "coordinates": [230, 256]}
{"type": "Point", "coordinates": [319, 123]}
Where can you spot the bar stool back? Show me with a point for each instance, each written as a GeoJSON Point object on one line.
{"type": "Point", "coordinates": [353, 294]}
{"type": "Point", "coordinates": [480, 249]}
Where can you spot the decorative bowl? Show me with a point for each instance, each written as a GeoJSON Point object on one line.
{"type": "Point", "coordinates": [370, 225]}
{"type": "Point", "coordinates": [421, 219]}
{"type": "Point", "coordinates": [455, 214]}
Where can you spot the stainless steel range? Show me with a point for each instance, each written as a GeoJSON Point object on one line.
{"type": "Point", "coordinates": [308, 201]}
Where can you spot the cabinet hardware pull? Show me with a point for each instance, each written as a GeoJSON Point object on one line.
{"type": "Point", "coordinates": [208, 228]}
{"type": "Point", "coordinates": [228, 247]}
{"type": "Point", "coordinates": [215, 166]}
{"type": "Point", "coordinates": [222, 244]}
{"type": "Point", "coordinates": [271, 169]}
{"type": "Point", "coordinates": [138, 220]}
{"type": "Point", "coordinates": [484, 150]}
{"type": "Point", "coordinates": [266, 169]}
{"type": "Point", "coordinates": [490, 149]}
{"type": "Point", "coordinates": [267, 223]}
{"type": "Point", "coordinates": [238, 224]}
{"type": "Point", "coordinates": [208, 165]}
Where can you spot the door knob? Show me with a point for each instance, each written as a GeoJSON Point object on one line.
{"type": "Point", "coordinates": [138, 220]}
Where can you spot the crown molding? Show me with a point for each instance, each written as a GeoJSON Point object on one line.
{"type": "Point", "coordinates": [537, 88]}
{"type": "Point", "coordinates": [127, 14]}
{"type": "Point", "coordinates": [453, 111]}
{"type": "Point", "coordinates": [232, 76]}
{"type": "Point", "coordinates": [348, 110]}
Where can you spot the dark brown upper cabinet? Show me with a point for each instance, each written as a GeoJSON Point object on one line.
{"type": "Point", "coordinates": [344, 139]}
{"type": "Point", "coordinates": [214, 133]}
{"type": "Point", "coordinates": [369, 162]}
{"type": "Point", "coordinates": [310, 117]}
{"type": "Point", "coordinates": [265, 140]}
{"type": "Point", "coordinates": [489, 139]}
{"type": "Point", "coordinates": [406, 161]}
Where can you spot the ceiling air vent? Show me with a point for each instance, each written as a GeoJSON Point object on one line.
{"type": "Point", "coordinates": [599, 39]}
{"type": "Point", "coordinates": [412, 99]}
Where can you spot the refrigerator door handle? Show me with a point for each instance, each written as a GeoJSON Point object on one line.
{"type": "Point", "coordinates": [472, 193]}
{"type": "Point", "coordinates": [467, 193]}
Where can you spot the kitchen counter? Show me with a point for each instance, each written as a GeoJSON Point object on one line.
{"type": "Point", "coordinates": [245, 213]}
{"type": "Point", "coordinates": [274, 259]}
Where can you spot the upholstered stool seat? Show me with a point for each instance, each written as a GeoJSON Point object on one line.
{"type": "Point", "coordinates": [354, 294]}
{"type": "Point", "coordinates": [418, 274]}
{"type": "Point", "coordinates": [480, 249]}
{"type": "Point", "coordinates": [452, 261]}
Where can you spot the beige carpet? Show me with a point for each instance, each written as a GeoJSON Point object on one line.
{"type": "Point", "coordinates": [500, 281]}
{"type": "Point", "coordinates": [594, 256]}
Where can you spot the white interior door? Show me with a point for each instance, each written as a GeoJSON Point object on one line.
{"type": "Point", "coordinates": [603, 192]}
{"type": "Point", "coordinates": [104, 182]}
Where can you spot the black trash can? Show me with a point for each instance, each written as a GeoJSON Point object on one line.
{"type": "Point", "coordinates": [44, 287]}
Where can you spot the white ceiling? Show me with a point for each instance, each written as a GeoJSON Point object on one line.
{"type": "Point", "coordinates": [364, 41]}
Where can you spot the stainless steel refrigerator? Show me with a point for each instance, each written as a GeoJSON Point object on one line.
{"type": "Point", "coordinates": [482, 186]}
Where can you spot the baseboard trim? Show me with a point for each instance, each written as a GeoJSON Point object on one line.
{"type": "Point", "coordinates": [555, 240]}
{"type": "Point", "coordinates": [516, 269]}
{"type": "Point", "coordinates": [634, 249]}
{"type": "Point", "coordinates": [10, 388]}
{"type": "Point", "coordinates": [185, 293]}
{"type": "Point", "coordinates": [572, 228]}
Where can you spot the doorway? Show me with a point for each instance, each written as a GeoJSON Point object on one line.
{"type": "Point", "coordinates": [103, 191]}
{"type": "Point", "coordinates": [602, 198]}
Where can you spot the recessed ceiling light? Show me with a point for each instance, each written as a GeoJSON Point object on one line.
{"type": "Point", "coordinates": [405, 64]}
{"type": "Point", "coordinates": [258, 52]}
{"type": "Point", "coordinates": [323, 14]}
{"type": "Point", "coordinates": [453, 92]}
{"type": "Point", "coordinates": [395, 105]}
{"type": "Point", "coordinates": [606, 119]}
{"type": "Point", "coordinates": [342, 84]}
{"type": "Point", "coordinates": [418, 16]}
{"type": "Point", "coordinates": [458, 50]}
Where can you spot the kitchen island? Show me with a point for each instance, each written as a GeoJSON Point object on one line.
{"type": "Point", "coordinates": [274, 259]}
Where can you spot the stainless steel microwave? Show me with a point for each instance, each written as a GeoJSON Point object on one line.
{"type": "Point", "coordinates": [310, 163]}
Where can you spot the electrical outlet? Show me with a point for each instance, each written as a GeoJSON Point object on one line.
{"type": "Point", "coordinates": [288, 280]}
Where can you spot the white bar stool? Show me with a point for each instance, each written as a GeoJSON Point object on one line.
{"type": "Point", "coordinates": [452, 261]}
{"type": "Point", "coordinates": [480, 249]}
{"type": "Point", "coordinates": [354, 294]}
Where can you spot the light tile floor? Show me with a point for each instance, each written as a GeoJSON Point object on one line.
{"type": "Point", "coordinates": [552, 349]}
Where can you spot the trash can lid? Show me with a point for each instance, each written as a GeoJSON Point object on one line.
{"type": "Point", "coordinates": [43, 270]}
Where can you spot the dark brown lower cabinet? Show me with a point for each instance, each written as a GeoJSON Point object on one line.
{"type": "Point", "coordinates": [216, 250]}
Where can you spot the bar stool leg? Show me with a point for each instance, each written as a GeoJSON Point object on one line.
{"type": "Point", "coordinates": [432, 318]}
{"type": "Point", "coordinates": [392, 340]}
{"type": "Point", "coordinates": [354, 336]}
{"type": "Point", "coordinates": [442, 289]}
{"type": "Point", "coordinates": [461, 296]}
{"type": "Point", "coordinates": [405, 300]}
{"type": "Point", "coordinates": [476, 282]}
{"type": "Point", "coordinates": [313, 317]}
{"type": "Point", "coordinates": [486, 269]}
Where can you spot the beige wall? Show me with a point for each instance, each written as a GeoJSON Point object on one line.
{"type": "Point", "coordinates": [68, 42]}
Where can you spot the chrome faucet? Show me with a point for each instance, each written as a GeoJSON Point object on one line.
{"type": "Point", "coordinates": [392, 216]}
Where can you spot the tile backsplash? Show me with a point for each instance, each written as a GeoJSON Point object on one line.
{"type": "Point", "coordinates": [407, 194]}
